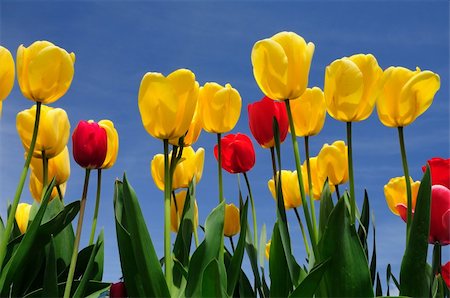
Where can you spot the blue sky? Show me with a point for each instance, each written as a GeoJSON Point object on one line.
{"type": "Point", "coordinates": [116, 43]}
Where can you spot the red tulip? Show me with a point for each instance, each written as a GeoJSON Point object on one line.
{"type": "Point", "coordinates": [440, 171]}
{"type": "Point", "coordinates": [238, 155]}
{"type": "Point", "coordinates": [118, 290]}
{"type": "Point", "coordinates": [440, 215]}
{"type": "Point", "coordinates": [260, 118]}
{"type": "Point", "coordinates": [89, 144]}
{"type": "Point", "coordinates": [445, 272]}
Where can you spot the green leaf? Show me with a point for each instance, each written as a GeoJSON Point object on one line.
{"type": "Point", "coordinates": [91, 288]}
{"type": "Point", "coordinates": [414, 280]}
{"type": "Point", "coordinates": [348, 272]}
{"type": "Point", "coordinates": [262, 247]}
{"type": "Point", "coordinates": [308, 287]}
{"type": "Point", "coordinates": [236, 261]}
{"type": "Point", "coordinates": [280, 280]}
{"type": "Point", "coordinates": [373, 259]}
{"type": "Point", "coordinates": [212, 281]}
{"type": "Point", "coordinates": [378, 289]}
{"type": "Point", "coordinates": [140, 264]}
{"type": "Point", "coordinates": [252, 255]}
{"type": "Point", "coordinates": [97, 271]}
{"type": "Point", "coordinates": [326, 206]}
{"type": "Point", "coordinates": [363, 229]}
{"type": "Point", "coordinates": [208, 250]}
{"type": "Point", "coordinates": [50, 280]}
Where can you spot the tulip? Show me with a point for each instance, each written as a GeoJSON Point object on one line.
{"type": "Point", "coordinates": [194, 129]}
{"type": "Point", "coordinates": [190, 166]}
{"type": "Point", "coordinates": [112, 143]}
{"type": "Point", "coordinates": [53, 133]}
{"type": "Point", "coordinates": [232, 224]}
{"type": "Point", "coordinates": [167, 104]}
{"type": "Point", "coordinates": [289, 188]}
{"type": "Point", "coordinates": [445, 270]}
{"type": "Point", "coordinates": [308, 112]}
{"type": "Point", "coordinates": [58, 167]}
{"type": "Point", "coordinates": [440, 171]}
{"type": "Point", "coordinates": [439, 217]}
{"type": "Point", "coordinates": [220, 107]}
{"type": "Point", "coordinates": [267, 250]}
{"type": "Point", "coordinates": [6, 74]}
{"type": "Point", "coordinates": [352, 85]}
{"type": "Point", "coordinates": [22, 216]}
{"type": "Point", "coordinates": [332, 162]}
{"type": "Point", "coordinates": [238, 154]}
{"type": "Point", "coordinates": [405, 95]}
{"type": "Point", "coordinates": [176, 212]}
{"type": "Point", "coordinates": [281, 65]}
{"type": "Point", "coordinates": [89, 144]}
{"type": "Point", "coordinates": [260, 118]}
{"type": "Point", "coordinates": [395, 193]}
{"type": "Point", "coordinates": [317, 179]}
{"type": "Point", "coordinates": [36, 188]}
{"type": "Point", "coordinates": [44, 71]}
{"type": "Point", "coordinates": [118, 290]}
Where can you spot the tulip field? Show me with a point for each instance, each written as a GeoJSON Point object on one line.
{"type": "Point", "coordinates": [181, 184]}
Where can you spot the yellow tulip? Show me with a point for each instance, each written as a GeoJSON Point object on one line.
{"type": "Point", "coordinates": [395, 193]}
{"type": "Point", "coordinates": [22, 216]}
{"type": "Point", "coordinates": [220, 107]}
{"type": "Point", "coordinates": [36, 189]}
{"type": "Point", "coordinates": [58, 167]}
{"type": "Point", "coordinates": [289, 189]}
{"type": "Point", "coordinates": [190, 166]}
{"type": "Point", "coordinates": [53, 133]}
{"type": "Point", "coordinates": [176, 212]}
{"type": "Point", "coordinates": [6, 74]}
{"type": "Point", "coordinates": [232, 224]}
{"type": "Point", "coordinates": [167, 104]}
{"type": "Point", "coordinates": [281, 65]}
{"type": "Point", "coordinates": [405, 95]}
{"type": "Point", "coordinates": [194, 129]}
{"type": "Point", "coordinates": [112, 145]}
{"type": "Point", "coordinates": [332, 162]}
{"type": "Point", "coordinates": [44, 71]}
{"type": "Point", "coordinates": [267, 251]}
{"type": "Point", "coordinates": [308, 112]}
{"type": "Point", "coordinates": [352, 85]}
{"type": "Point", "coordinates": [318, 180]}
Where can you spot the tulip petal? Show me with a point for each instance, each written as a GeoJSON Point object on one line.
{"type": "Point", "coordinates": [6, 73]}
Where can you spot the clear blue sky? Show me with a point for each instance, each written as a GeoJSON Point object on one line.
{"type": "Point", "coordinates": [116, 43]}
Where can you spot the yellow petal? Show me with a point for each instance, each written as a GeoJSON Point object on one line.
{"type": "Point", "coordinates": [58, 167]}
{"type": "Point", "coordinates": [231, 221]}
{"type": "Point", "coordinates": [157, 170]}
{"type": "Point", "coordinates": [22, 216]}
{"type": "Point", "coordinates": [113, 143]}
{"type": "Point", "coordinates": [308, 112]}
{"type": "Point", "coordinates": [6, 73]}
{"type": "Point", "coordinates": [395, 193]}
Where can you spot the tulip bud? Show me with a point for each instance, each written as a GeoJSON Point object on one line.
{"type": "Point", "coordinates": [318, 180]}
{"type": "Point", "coordinates": [289, 188]}
{"type": "Point", "coordinates": [440, 171]}
{"type": "Point", "coordinates": [58, 167]}
{"type": "Point", "coordinates": [352, 85]}
{"type": "Point", "coordinates": [176, 212]}
{"type": "Point", "coordinates": [405, 95]}
{"type": "Point", "coordinates": [113, 143]}
{"type": "Point", "coordinates": [44, 71]}
{"type": "Point", "coordinates": [332, 162]}
{"type": "Point", "coordinates": [238, 154]}
{"type": "Point", "coordinates": [118, 290]}
{"type": "Point", "coordinates": [260, 118]}
{"type": "Point", "coordinates": [190, 166]}
{"type": "Point", "coordinates": [6, 74]}
{"type": "Point", "coordinates": [308, 112]}
{"type": "Point", "coordinates": [267, 250]}
{"type": "Point", "coordinates": [232, 224]}
{"type": "Point", "coordinates": [22, 216]}
{"type": "Point", "coordinates": [395, 193]}
{"type": "Point", "coordinates": [53, 133]}
{"type": "Point", "coordinates": [89, 144]}
{"type": "Point", "coordinates": [36, 188]}
{"type": "Point", "coordinates": [281, 65]}
{"type": "Point", "coordinates": [167, 104]}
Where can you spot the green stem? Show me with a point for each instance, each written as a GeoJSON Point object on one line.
{"type": "Point", "coordinates": [255, 226]}
{"type": "Point", "coordinates": [23, 176]}
{"type": "Point", "coordinates": [167, 191]}
{"type": "Point", "coordinates": [303, 230]}
{"type": "Point", "coordinates": [437, 259]}
{"type": "Point", "coordinates": [407, 181]}
{"type": "Point", "coordinates": [219, 167]}
{"type": "Point", "coordinates": [350, 173]}
{"type": "Point", "coordinates": [97, 204]}
{"type": "Point", "coordinates": [337, 192]}
{"type": "Point", "coordinates": [274, 166]}
{"type": "Point", "coordinates": [61, 197]}
{"type": "Point", "coordinates": [76, 244]}
{"type": "Point", "coordinates": [311, 192]}
{"type": "Point", "coordinates": [312, 233]}
{"type": "Point", "coordinates": [44, 170]}
{"type": "Point", "coordinates": [232, 243]}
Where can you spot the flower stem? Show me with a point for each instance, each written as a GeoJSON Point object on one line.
{"type": "Point", "coordinates": [407, 181]}
{"type": "Point", "coordinates": [23, 176]}
{"type": "Point", "coordinates": [311, 192]}
{"type": "Point", "coordinates": [350, 173]}
{"type": "Point", "coordinates": [255, 226]}
{"type": "Point", "coordinates": [274, 166]}
{"type": "Point", "coordinates": [437, 259]}
{"type": "Point", "coordinates": [44, 170]}
{"type": "Point", "coordinates": [303, 230]}
{"type": "Point", "coordinates": [61, 197]}
{"type": "Point", "coordinates": [97, 204]}
{"type": "Point", "coordinates": [312, 233]}
{"type": "Point", "coordinates": [232, 243]}
{"type": "Point", "coordinates": [337, 192]}
{"type": "Point", "coordinates": [167, 192]}
{"type": "Point", "coordinates": [76, 244]}
{"type": "Point", "coordinates": [219, 167]}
